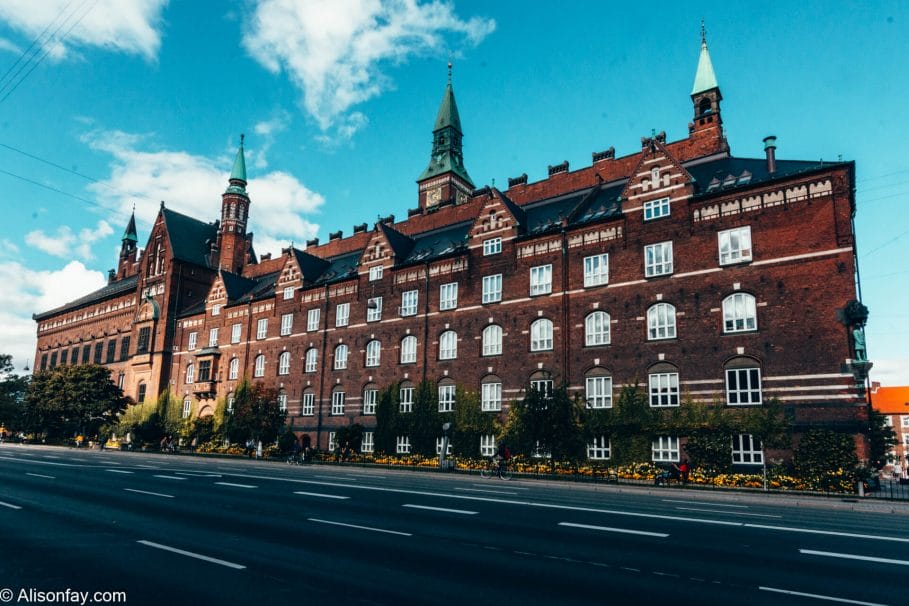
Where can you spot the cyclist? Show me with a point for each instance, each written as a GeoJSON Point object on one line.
{"type": "Point", "coordinates": [502, 456]}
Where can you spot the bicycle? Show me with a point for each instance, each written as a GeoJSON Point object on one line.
{"type": "Point", "coordinates": [496, 468]}
{"type": "Point", "coordinates": [295, 459]}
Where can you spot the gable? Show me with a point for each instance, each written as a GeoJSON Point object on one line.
{"type": "Point", "coordinates": [497, 218]}
{"type": "Point", "coordinates": [657, 175]}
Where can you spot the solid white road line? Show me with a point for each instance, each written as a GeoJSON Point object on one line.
{"type": "Point", "coordinates": [850, 556]}
{"type": "Point", "coordinates": [819, 597]}
{"type": "Point", "coordinates": [154, 494]}
{"type": "Point", "coordinates": [403, 534]}
{"type": "Point", "coordinates": [195, 474]}
{"type": "Point", "coordinates": [234, 485]}
{"type": "Point", "coordinates": [661, 535]}
{"type": "Point", "coordinates": [489, 491]}
{"type": "Point", "coordinates": [443, 509]}
{"type": "Point", "coordinates": [10, 505]}
{"type": "Point", "coordinates": [729, 513]}
{"type": "Point", "coordinates": [701, 503]}
{"type": "Point", "coordinates": [319, 494]}
{"type": "Point", "coordinates": [118, 471]}
{"type": "Point", "coordinates": [169, 477]}
{"type": "Point", "coordinates": [190, 554]}
{"type": "Point", "coordinates": [335, 478]}
{"type": "Point", "coordinates": [50, 456]}
{"type": "Point", "coordinates": [41, 475]}
{"type": "Point", "coordinates": [829, 533]}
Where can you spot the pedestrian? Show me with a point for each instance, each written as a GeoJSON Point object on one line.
{"type": "Point", "coordinates": [193, 444]}
{"type": "Point", "coordinates": [684, 470]}
{"type": "Point", "coordinates": [249, 447]}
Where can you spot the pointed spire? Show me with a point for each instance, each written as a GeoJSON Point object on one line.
{"type": "Point", "coordinates": [704, 78]}
{"type": "Point", "coordinates": [447, 152]}
{"type": "Point", "coordinates": [130, 234]}
{"type": "Point", "coordinates": [448, 109]}
{"type": "Point", "coordinates": [238, 172]}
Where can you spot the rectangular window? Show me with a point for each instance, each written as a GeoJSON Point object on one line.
{"type": "Point", "coordinates": [599, 392]}
{"type": "Point", "coordinates": [368, 443]}
{"type": "Point", "coordinates": [409, 303]}
{"type": "Point", "coordinates": [735, 245]}
{"type": "Point", "coordinates": [492, 246]}
{"type": "Point", "coordinates": [288, 292]}
{"type": "Point", "coordinates": [664, 389]}
{"type": "Point", "coordinates": [53, 359]}
{"type": "Point", "coordinates": [111, 351]}
{"type": "Point", "coordinates": [375, 273]}
{"type": "Point", "coordinates": [287, 324]}
{"type": "Point", "coordinates": [439, 447]}
{"type": "Point", "coordinates": [309, 404]}
{"type": "Point", "coordinates": [213, 337]}
{"type": "Point", "coordinates": [193, 337]}
{"type": "Point", "coordinates": [904, 421]}
{"type": "Point", "coordinates": [487, 445]}
{"type": "Point", "coordinates": [596, 270]}
{"type": "Point", "coordinates": [405, 399]}
{"type": "Point", "coordinates": [374, 309]}
{"type": "Point", "coordinates": [262, 328]}
{"type": "Point", "coordinates": [448, 296]}
{"type": "Point", "coordinates": [402, 445]}
{"type": "Point", "coordinates": [492, 288]}
{"type": "Point", "coordinates": [369, 401]}
{"type": "Point", "coordinates": [446, 398]}
{"type": "Point", "coordinates": [342, 314]}
{"type": "Point", "coordinates": [656, 209]}
{"type": "Point", "coordinates": [743, 386]}
{"type": "Point", "coordinates": [312, 320]}
{"type": "Point", "coordinates": [282, 402]}
{"type": "Point", "coordinates": [600, 448]}
{"type": "Point", "coordinates": [235, 333]}
{"type": "Point", "coordinates": [540, 280]}
{"type": "Point", "coordinates": [99, 352]}
{"type": "Point", "coordinates": [665, 448]}
{"type": "Point", "coordinates": [337, 402]}
{"type": "Point", "coordinates": [746, 450]}
{"type": "Point", "coordinates": [204, 371]}
{"type": "Point", "coordinates": [64, 356]}
{"type": "Point", "coordinates": [658, 259]}
{"type": "Point", "coordinates": [332, 441]}
{"type": "Point", "coordinates": [87, 349]}
{"type": "Point", "coordinates": [216, 310]}
{"type": "Point", "coordinates": [491, 397]}
{"type": "Point", "coordinates": [44, 362]}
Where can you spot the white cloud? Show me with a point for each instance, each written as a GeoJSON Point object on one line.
{"type": "Point", "coordinates": [891, 372]}
{"type": "Point", "coordinates": [267, 131]}
{"type": "Point", "coordinates": [192, 185]}
{"type": "Point", "coordinates": [66, 244]}
{"type": "Point", "coordinates": [7, 248]}
{"type": "Point", "coordinates": [9, 46]}
{"type": "Point", "coordinates": [333, 50]}
{"type": "Point", "coordinates": [27, 291]}
{"type": "Point", "coordinates": [127, 26]}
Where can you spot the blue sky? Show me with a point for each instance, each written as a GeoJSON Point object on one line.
{"type": "Point", "coordinates": [133, 102]}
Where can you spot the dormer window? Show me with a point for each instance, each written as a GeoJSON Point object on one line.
{"type": "Point", "coordinates": [375, 272]}
{"type": "Point", "coordinates": [656, 209]}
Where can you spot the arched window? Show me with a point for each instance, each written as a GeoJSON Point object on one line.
{"type": "Point", "coordinates": [596, 329]}
{"type": "Point", "coordinates": [446, 395]}
{"type": "Point", "coordinates": [448, 345]}
{"type": "Point", "coordinates": [405, 397]}
{"type": "Point", "coordinates": [541, 335]}
{"type": "Point", "coordinates": [282, 401]}
{"type": "Point", "coordinates": [187, 407]}
{"type": "Point", "coordinates": [259, 366]}
{"type": "Point", "coordinates": [140, 392]}
{"type": "Point", "coordinates": [370, 397]}
{"type": "Point", "coordinates": [373, 353]}
{"type": "Point", "coordinates": [739, 313]}
{"type": "Point", "coordinates": [284, 363]}
{"type": "Point", "coordinates": [661, 322]}
{"type": "Point", "coordinates": [491, 393]}
{"type": "Point", "coordinates": [408, 349]}
{"type": "Point", "coordinates": [743, 382]}
{"type": "Point", "coordinates": [190, 372]}
{"type": "Point", "coordinates": [663, 382]}
{"type": "Point", "coordinates": [312, 359]}
{"type": "Point", "coordinates": [541, 381]}
{"type": "Point", "coordinates": [338, 395]}
{"type": "Point", "coordinates": [231, 398]}
{"type": "Point", "coordinates": [234, 369]}
{"type": "Point", "coordinates": [341, 357]}
{"type": "Point", "coordinates": [492, 340]}
{"type": "Point", "coordinates": [598, 388]}
{"type": "Point", "coordinates": [308, 404]}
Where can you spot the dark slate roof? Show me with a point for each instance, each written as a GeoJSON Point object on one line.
{"type": "Point", "coordinates": [340, 268]}
{"type": "Point", "coordinates": [311, 266]}
{"type": "Point", "coordinates": [236, 286]}
{"type": "Point", "coordinates": [190, 239]}
{"type": "Point", "coordinates": [400, 244]}
{"type": "Point", "coordinates": [438, 243]}
{"type": "Point", "coordinates": [548, 214]}
{"type": "Point", "coordinates": [518, 212]}
{"type": "Point", "coordinates": [110, 291]}
{"type": "Point", "coordinates": [600, 203]}
{"type": "Point", "coordinates": [728, 173]}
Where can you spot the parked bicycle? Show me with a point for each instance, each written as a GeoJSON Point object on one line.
{"type": "Point", "coordinates": [496, 468]}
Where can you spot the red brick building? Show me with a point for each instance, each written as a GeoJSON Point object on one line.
{"type": "Point", "coordinates": [893, 403]}
{"type": "Point", "coordinates": [699, 274]}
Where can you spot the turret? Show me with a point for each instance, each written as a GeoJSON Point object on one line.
{"type": "Point", "coordinates": [233, 245]}
{"type": "Point", "coordinates": [705, 94]}
{"type": "Point", "coordinates": [128, 249]}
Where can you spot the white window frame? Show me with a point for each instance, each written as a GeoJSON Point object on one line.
{"type": "Point", "coordinates": [598, 391]}
{"type": "Point", "coordinates": [233, 371]}
{"type": "Point", "coordinates": [288, 292]}
{"type": "Point", "coordinates": [544, 386]}
{"type": "Point", "coordinates": [193, 338]}
{"type": "Point", "coordinates": [596, 270]}
{"type": "Point", "coordinates": [235, 332]}
{"type": "Point", "coordinates": [409, 349]}
{"type": "Point", "coordinates": [492, 246]}
{"type": "Point", "coordinates": [488, 445]}
{"type": "Point", "coordinates": [661, 322]}
{"type": "Point", "coordinates": [284, 363]}
{"type": "Point", "coordinates": [342, 315]}
{"type": "Point", "coordinates": [332, 441]}
{"type": "Point", "coordinates": [446, 398]}
{"type": "Point", "coordinates": [341, 354]}
{"type": "Point", "coordinates": [492, 288]}
{"type": "Point", "coordinates": [491, 396]}
{"type": "Point", "coordinates": [373, 309]}
{"type": "Point", "coordinates": [368, 443]}
{"type": "Point", "coordinates": [373, 353]}
{"type": "Point", "coordinates": [405, 399]}
{"type": "Point", "coordinates": [312, 360]}
{"type": "Point", "coordinates": [597, 329]}
{"type": "Point", "coordinates": [448, 345]}
{"type": "Point", "coordinates": [261, 328]}
{"type": "Point", "coordinates": [664, 389]}
{"type": "Point", "coordinates": [376, 272]}
{"type": "Point", "coordinates": [541, 331]}
{"type": "Point", "coordinates": [439, 447]}
{"type": "Point", "coordinates": [402, 445]}
{"type": "Point", "coordinates": [734, 245]}
{"type": "Point", "coordinates": [739, 313]}
{"type": "Point", "coordinates": [308, 406]}
{"type": "Point", "coordinates": [541, 280]}
{"type": "Point", "coordinates": [312, 320]}
{"type": "Point", "coordinates": [750, 391]}
{"type": "Point", "coordinates": [282, 402]}
{"type": "Point", "coordinates": [409, 301]}
{"type": "Point", "coordinates": [212, 337]}
{"type": "Point", "coordinates": [259, 370]}
{"type": "Point", "coordinates": [190, 373]}
{"type": "Point", "coordinates": [448, 296]}
{"type": "Point", "coordinates": [492, 340]}
{"type": "Point", "coordinates": [747, 450]}
{"type": "Point", "coordinates": [187, 407]}
{"type": "Point", "coordinates": [656, 209]}
{"type": "Point", "coordinates": [370, 397]}
{"type": "Point", "coordinates": [665, 449]}
{"type": "Point", "coordinates": [287, 324]}
{"type": "Point", "coordinates": [337, 402]}
{"type": "Point", "coordinates": [216, 309]}
{"type": "Point", "coordinates": [231, 400]}
{"type": "Point", "coordinates": [658, 259]}
{"type": "Point", "coordinates": [904, 421]}
{"type": "Point", "coordinates": [600, 449]}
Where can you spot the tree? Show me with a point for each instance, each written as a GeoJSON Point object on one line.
{"type": "Point", "coordinates": [72, 399]}
{"type": "Point", "coordinates": [257, 413]}
{"type": "Point", "coordinates": [631, 426]}
{"type": "Point", "coordinates": [547, 423]}
{"type": "Point", "coordinates": [825, 457]}
{"type": "Point", "coordinates": [424, 424]}
{"type": "Point", "coordinates": [352, 436]}
{"type": "Point", "coordinates": [12, 392]}
{"type": "Point", "coordinates": [470, 423]}
{"type": "Point", "coordinates": [881, 440]}
{"type": "Point", "coordinates": [387, 420]}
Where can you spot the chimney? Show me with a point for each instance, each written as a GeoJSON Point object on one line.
{"type": "Point", "coordinates": [770, 150]}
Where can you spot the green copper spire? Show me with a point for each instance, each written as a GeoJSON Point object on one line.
{"type": "Point", "coordinates": [130, 234]}
{"type": "Point", "coordinates": [704, 78]}
{"type": "Point", "coordinates": [238, 173]}
{"type": "Point", "coordinates": [447, 151]}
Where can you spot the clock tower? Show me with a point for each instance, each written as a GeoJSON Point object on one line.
{"type": "Point", "coordinates": [445, 180]}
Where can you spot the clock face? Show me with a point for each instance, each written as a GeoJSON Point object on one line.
{"type": "Point", "coordinates": [433, 196]}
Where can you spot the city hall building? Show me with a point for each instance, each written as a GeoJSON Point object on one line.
{"type": "Point", "coordinates": [700, 275]}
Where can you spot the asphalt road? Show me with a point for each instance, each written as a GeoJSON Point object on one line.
{"type": "Point", "coordinates": [193, 530]}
